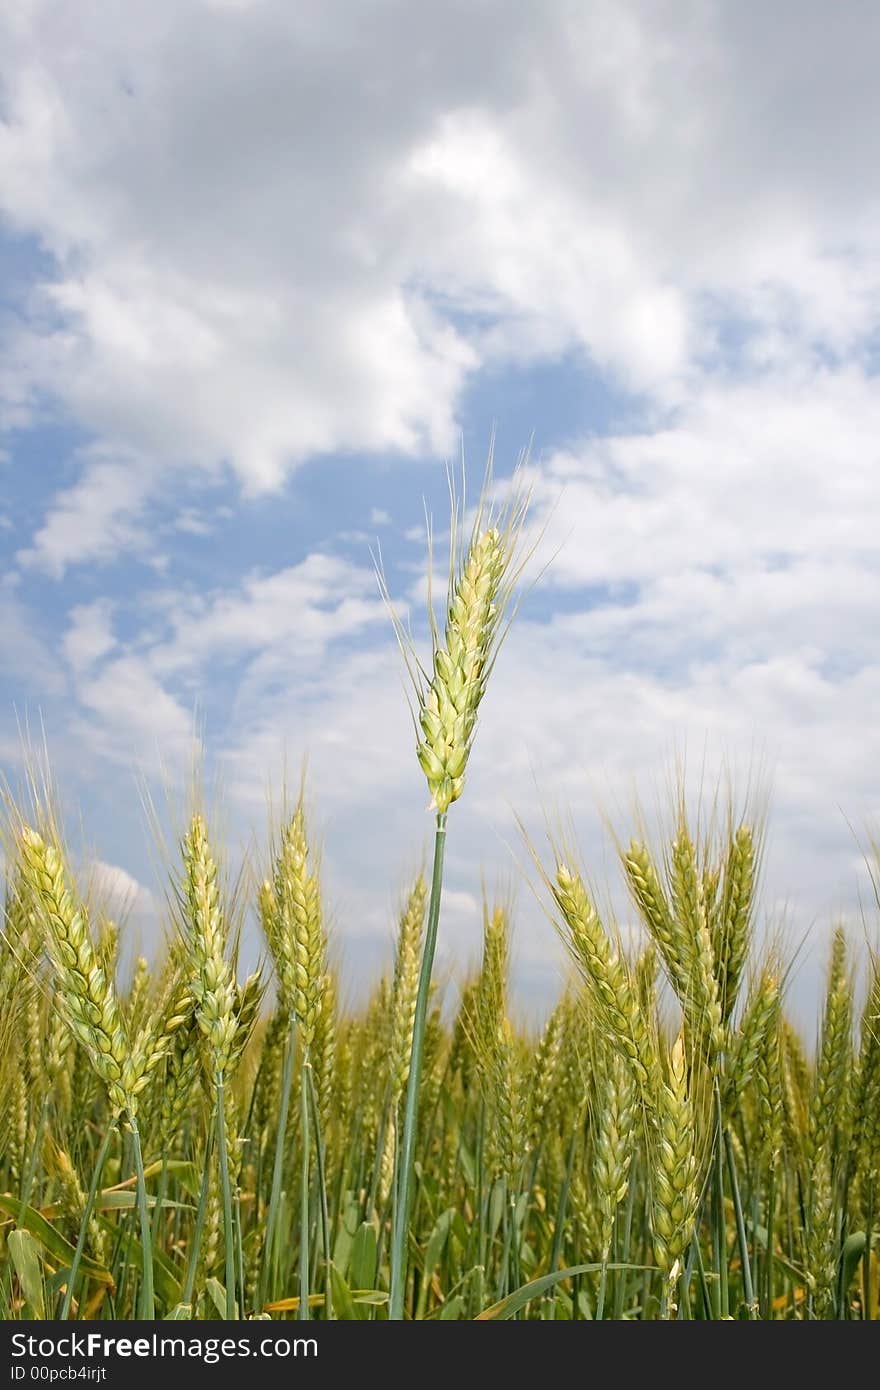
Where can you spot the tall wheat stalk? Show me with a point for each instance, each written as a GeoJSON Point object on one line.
{"type": "Point", "coordinates": [225, 1012]}
{"type": "Point", "coordinates": [481, 577]}
{"type": "Point", "coordinates": [293, 924]}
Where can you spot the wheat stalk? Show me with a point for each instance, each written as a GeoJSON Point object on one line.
{"type": "Point", "coordinates": [290, 910]}
{"type": "Point", "coordinates": [482, 576]}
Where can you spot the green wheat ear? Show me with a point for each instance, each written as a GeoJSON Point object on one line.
{"type": "Point", "coordinates": [212, 977]}
{"type": "Point", "coordinates": [86, 994]}
{"type": "Point", "coordinates": [605, 972]}
{"type": "Point", "coordinates": [449, 704]}
{"type": "Point", "coordinates": [675, 1172]}
{"type": "Point", "coordinates": [484, 570]}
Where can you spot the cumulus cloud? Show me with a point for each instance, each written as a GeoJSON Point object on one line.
{"type": "Point", "coordinates": [116, 890]}
{"type": "Point", "coordinates": [236, 281]}
{"type": "Point", "coordinates": [292, 613]}
{"type": "Point", "coordinates": [89, 636]}
{"type": "Point", "coordinates": [114, 893]}
{"type": "Point", "coordinates": [94, 519]}
{"type": "Point", "coordinates": [273, 632]}
{"type": "Point", "coordinates": [24, 651]}
{"type": "Point", "coordinates": [127, 714]}
{"type": "Point", "coordinates": [745, 471]}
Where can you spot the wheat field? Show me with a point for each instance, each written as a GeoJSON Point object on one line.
{"type": "Point", "coordinates": [184, 1142]}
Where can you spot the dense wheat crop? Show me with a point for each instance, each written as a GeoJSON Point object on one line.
{"type": "Point", "coordinates": [179, 1141]}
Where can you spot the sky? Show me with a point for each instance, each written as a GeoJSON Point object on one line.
{"type": "Point", "coordinates": [266, 269]}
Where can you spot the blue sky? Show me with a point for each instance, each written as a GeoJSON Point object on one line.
{"type": "Point", "coordinates": [264, 268]}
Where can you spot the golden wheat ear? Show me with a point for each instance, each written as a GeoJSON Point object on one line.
{"type": "Point", "coordinates": [605, 973]}
{"type": "Point", "coordinates": [484, 569]}
{"type": "Point", "coordinates": [86, 994]}
{"type": "Point", "coordinates": [675, 1167]}
{"type": "Point", "coordinates": [404, 989]}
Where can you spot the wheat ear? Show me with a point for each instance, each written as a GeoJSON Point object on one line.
{"type": "Point", "coordinates": [733, 922]}
{"type": "Point", "coordinates": [675, 1174]}
{"type": "Point", "coordinates": [85, 993]}
{"type": "Point", "coordinates": [605, 973]}
{"type": "Point", "coordinates": [292, 919]}
{"type": "Point", "coordinates": [405, 988]}
{"type": "Point", "coordinates": [481, 580]}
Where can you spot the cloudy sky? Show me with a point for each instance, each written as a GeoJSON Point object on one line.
{"type": "Point", "coordinates": [264, 267]}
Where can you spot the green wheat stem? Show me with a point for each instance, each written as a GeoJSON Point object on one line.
{"type": "Point", "coordinates": [564, 1191]}
{"type": "Point", "coordinates": [84, 1221]}
{"type": "Point", "coordinates": [480, 1193]}
{"type": "Point", "coordinates": [701, 1276]}
{"type": "Point", "coordinates": [198, 1230]}
{"type": "Point", "coordinates": [304, 1203]}
{"type": "Point", "coordinates": [503, 1286]}
{"type": "Point", "coordinates": [161, 1194]}
{"type": "Point", "coordinates": [623, 1256]}
{"type": "Point", "coordinates": [320, 1164]}
{"type": "Point", "coordinates": [239, 1243]}
{"type": "Point", "coordinates": [720, 1232]}
{"type": "Point", "coordinates": [684, 1291]}
{"type": "Point", "coordinates": [866, 1258]}
{"type": "Point", "coordinates": [403, 1199]}
{"type": "Point", "coordinates": [373, 1198]}
{"type": "Point", "coordinates": [768, 1274]}
{"type": "Point", "coordinates": [226, 1192]}
{"type": "Point", "coordinates": [269, 1245]}
{"type": "Point", "coordinates": [741, 1236]}
{"type": "Point", "coordinates": [36, 1144]}
{"type": "Point", "coordinates": [147, 1302]}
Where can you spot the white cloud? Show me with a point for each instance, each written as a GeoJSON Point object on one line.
{"type": "Point", "coordinates": [270, 634]}
{"type": "Point", "coordinates": [237, 281]}
{"type": "Point", "coordinates": [23, 651]}
{"type": "Point", "coordinates": [95, 518]}
{"type": "Point", "coordinates": [114, 893]}
{"type": "Point", "coordinates": [192, 523]}
{"type": "Point", "coordinates": [291, 614]}
{"type": "Point", "coordinates": [128, 715]}
{"type": "Point", "coordinates": [117, 892]}
{"type": "Point", "coordinates": [89, 636]}
{"type": "Point", "coordinates": [746, 473]}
